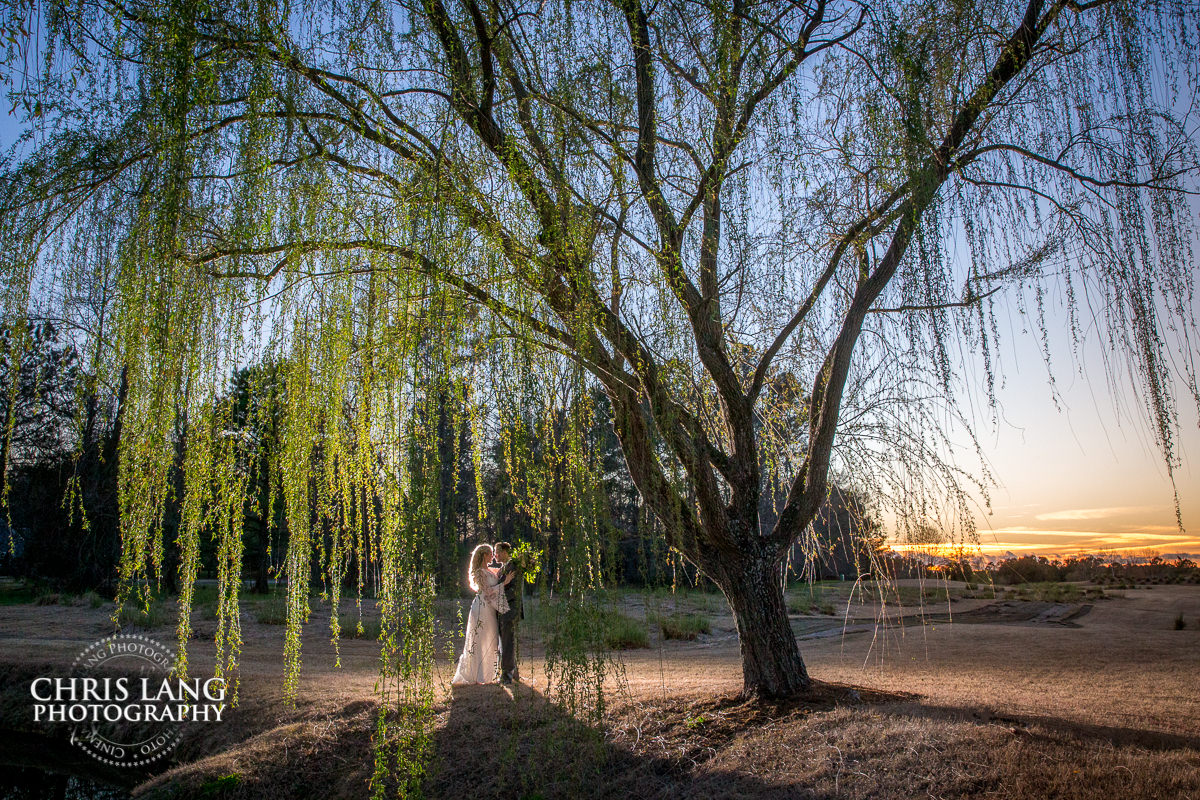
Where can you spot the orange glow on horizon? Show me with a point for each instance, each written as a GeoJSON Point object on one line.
{"type": "Point", "coordinates": [1088, 543]}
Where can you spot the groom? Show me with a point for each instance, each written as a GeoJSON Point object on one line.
{"type": "Point", "coordinates": [502, 552]}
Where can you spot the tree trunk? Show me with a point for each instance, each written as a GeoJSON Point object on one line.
{"type": "Point", "coordinates": [771, 664]}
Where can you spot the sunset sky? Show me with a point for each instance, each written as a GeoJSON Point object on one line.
{"type": "Point", "coordinates": [1088, 477]}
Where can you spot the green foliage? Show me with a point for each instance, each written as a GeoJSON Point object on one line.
{"type": "Point", "coordinates": [217, 787]}
{"type": "Point", "coordinates": [273, 611]}
{"type": "Point", "coordinates": [684, 626]}
{"type": "Point", "coordinates": [622, 632]}
{"type": "Point", "coordinates": [1053, 592]}
{"type": "Point", "coordinates": [602, 627]}
{"type": "Point", "coordinates": [530, 560]}
{"type": "Point", "coordinates": [360, 629]}
{"type": "Point", "coordinates": [581, 635]}
{"type": "Point", "coordinates": [808, 598]}
{"type": "Point", "coordinates": [153, 615]}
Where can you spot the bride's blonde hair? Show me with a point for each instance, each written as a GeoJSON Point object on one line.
{"type": "Point", "coordinates": [479, 557]}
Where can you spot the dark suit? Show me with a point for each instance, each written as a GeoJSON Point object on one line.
{"type": "Point", "coordinates": [508, 620]}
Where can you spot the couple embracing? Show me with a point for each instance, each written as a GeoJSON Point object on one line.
{"type": "Point", "coordinates": [492, 623]}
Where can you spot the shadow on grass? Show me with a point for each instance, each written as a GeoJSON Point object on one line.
{"type": "Point", "coordinates": [1035, 726]}
{"type": "Point", "coordinates": [499, 743]}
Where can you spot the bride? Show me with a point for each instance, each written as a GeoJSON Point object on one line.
{"type": "Point", "coordinates": [477, 664]}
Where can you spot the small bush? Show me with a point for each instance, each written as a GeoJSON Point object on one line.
{"type": "Point", "coordinates": [205, 594]}
{"type": "Point", "coordinates": [221, 785]}
{"type": "Point", "coordinates": [134, 616]}
{"type": "Point", "coordinates": [1050, 592]}
{"type": "Point", "coordinates": [685, 627]}
{"type": "Point", "coordinates": [931, 593]}
{"type": "Point", "coordinates": [207, 610]}
{"type": "Point", "coordinates": [272, 611]}
{"type": "Point", "coordinates": [592, 626]}
{"type": "Point", "coordinates": [808, 600]}
{"type": "Point", "coordinates": [799, 605]}
{"type": "Point", "coordinates": [350, 628]}
{"type": "Point", "coordinates": [48, 599]}
{"type": "Point", "coordinates": [206, 601]}
{"type": "Point", "coordinates": [93, 600]}
{"type": "Point", "coordinates": [15, 592]}
{"type": "Point", "coordinates": [624, 633]}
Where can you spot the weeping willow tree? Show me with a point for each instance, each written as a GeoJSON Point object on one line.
{"type": "Point", "coordinates": [768, 230]}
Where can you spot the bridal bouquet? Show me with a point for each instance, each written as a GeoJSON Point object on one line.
{"type": "Point", "coordinates": [528, 560]}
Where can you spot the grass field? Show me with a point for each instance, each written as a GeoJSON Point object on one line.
{"type": "Point", "coordinates": [933, 691]}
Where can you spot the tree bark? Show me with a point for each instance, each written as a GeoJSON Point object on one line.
{"type": "Point", "coordinates": [771, 664]}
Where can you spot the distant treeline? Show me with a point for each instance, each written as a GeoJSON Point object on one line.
{"type": "Point", "coordinates": [59, 518]}
{"type": "Point", "coordinates": [1039, 569]}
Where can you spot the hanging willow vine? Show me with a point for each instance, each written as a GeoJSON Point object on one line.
{"type": "Point", "coordinates": [392, 217]}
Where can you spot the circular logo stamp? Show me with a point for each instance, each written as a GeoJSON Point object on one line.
{"type": "Point", "coordinates": [123, 739]}
{"type": "Point", "coordinates": [121, 700]}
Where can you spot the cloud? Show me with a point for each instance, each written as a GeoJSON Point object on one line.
{"type": "Point", "coordinates": [1030, 540]}
{"type": "Point", "coordinates": [1090, 513]}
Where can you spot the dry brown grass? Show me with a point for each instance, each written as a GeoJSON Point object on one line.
{"type": "Point", "coordinates": [319, 750]}
{"type": "Point", "coordinates": [491, 743]}
{"type": "Point", "coordinates": [1108, 709]}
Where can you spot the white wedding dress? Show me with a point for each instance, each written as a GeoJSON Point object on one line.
{"type": "Point", "coordinates": [477, 664]}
